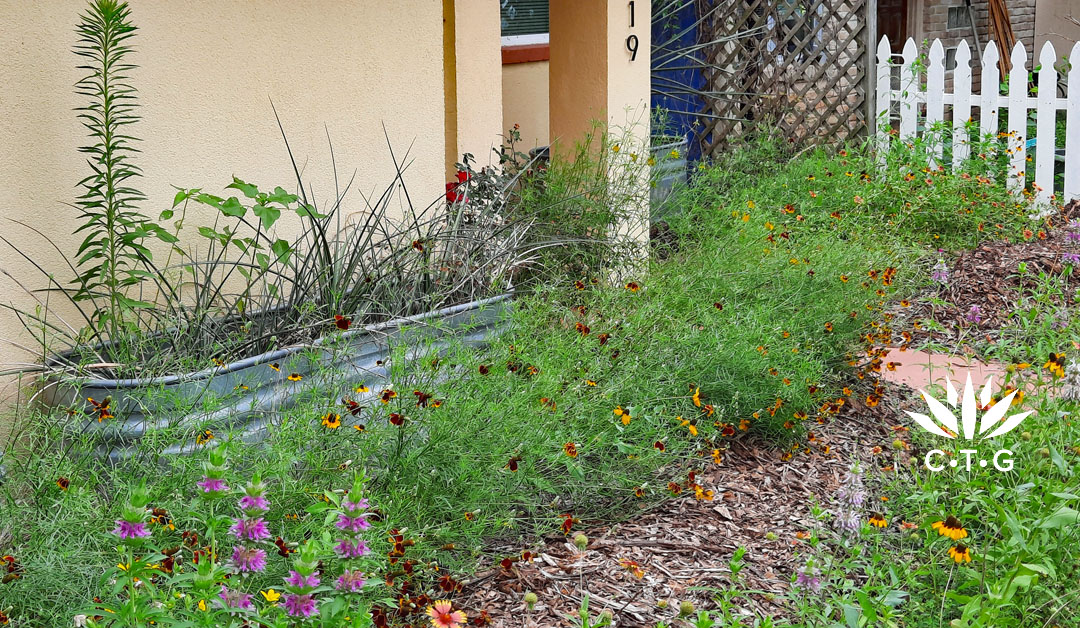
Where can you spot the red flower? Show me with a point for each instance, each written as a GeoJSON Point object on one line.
{"type": "Point", "coordinates": [452, 195]}
{"type": "Point", "coordinates": [342, 322]}
{"type": "Point", "coordinates": [422, 398]}
{"type": "Point", "coordinates": [353, 407]}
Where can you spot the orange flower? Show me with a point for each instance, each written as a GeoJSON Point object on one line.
{"type": "Point", "coordinates": [632, 567]}
{"type": "Point", "coordinates": [697, 397]}
{"type": "Point", "coordinates": [950, 527]}
{"type": "Point", "coordinates": [960, 553]}
{"type": "Point", "coordinates": [570, 449]}
{"type": "Point", "coordinates": [632, 286]}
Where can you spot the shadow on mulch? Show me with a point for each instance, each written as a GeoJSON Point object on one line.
{"type": "Point", "coordinates": [986, 278]}
{"type": "Point", "coordinates": [684, 545]}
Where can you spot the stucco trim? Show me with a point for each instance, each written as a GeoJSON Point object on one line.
{"type": "Point", "coordinates": [526, 54]}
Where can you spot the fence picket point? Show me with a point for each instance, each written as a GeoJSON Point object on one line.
{"type": "Point", "coordinates": [884, 96]}
{"type": "Point", "coordinates": [935, 103]}
{"type": "Point", "coordinates": [961, 143]}
{"type": "Point", "coordinates": [1046, 116]}
{"type": "Point", "coordinates": [1072, 125]}
{"type": "Point", "coordinates": [933, 99]}
{"type": "Point", "coordinates": [1017, 122]}
{"type": "Point", "coordinates": [909, 90]}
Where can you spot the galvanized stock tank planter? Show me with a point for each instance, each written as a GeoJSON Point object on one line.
{"type": "Point", "coordinates": [243, 396]}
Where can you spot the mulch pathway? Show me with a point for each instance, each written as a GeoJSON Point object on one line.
{"type": "Point", "coordinates": [684, 545]}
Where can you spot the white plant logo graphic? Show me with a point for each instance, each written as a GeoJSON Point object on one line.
{"type": "Point", "coordinates": [946, 424]}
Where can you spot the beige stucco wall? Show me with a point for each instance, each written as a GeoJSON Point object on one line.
{"type": "Point", "coordinates": [1057, 21]}
{"type": "Point", "coordinates": [525, 101]}
{"type": "Point", "coordinates": [478, 72]}
{"type": "Point", "coordinates": [208, 71]}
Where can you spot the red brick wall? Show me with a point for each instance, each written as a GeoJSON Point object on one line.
{"type": "Point", "coordinates": [935, 19]}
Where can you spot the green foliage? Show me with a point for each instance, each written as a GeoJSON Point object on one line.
{"type": "Point", "coordinates": [444, 474]}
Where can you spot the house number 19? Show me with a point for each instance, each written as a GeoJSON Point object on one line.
{"type": "Point", "coordinates": [632, 40]}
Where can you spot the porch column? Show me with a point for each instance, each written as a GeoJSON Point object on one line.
{"type": "Point", "coordinates": [599, 71]}
{"type": "Point", "coordinates": [594, 72]}
{"type": "Point", "coordinates": [472, 68]}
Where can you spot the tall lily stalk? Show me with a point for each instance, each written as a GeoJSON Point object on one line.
{"type": "Point", "coordinates": [113, 229]}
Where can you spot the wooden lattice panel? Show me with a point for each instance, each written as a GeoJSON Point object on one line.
{"type": "Point", "coordinates": [800, 64]}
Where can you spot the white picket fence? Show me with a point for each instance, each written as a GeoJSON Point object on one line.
{"type": "Point", "coordinates": [989, 101]}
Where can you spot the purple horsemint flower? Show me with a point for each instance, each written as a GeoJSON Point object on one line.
{"type": "Point", "coordinates": [300, 605]}
{"type": "Point", "coordinates": [254, 504]}
{"type": "Point", "coordinates": [300, 581]}
{"type": "Point", "coordinates": [808, 579]}
{"type": "Point", "coordinates": [348, 549]}
{"type": "Point", "coordinates": [353, 507]}
{"type": "Point", "coordinates": [849, 520]}
{"type": "Point", "coordinates": [1070, 258]}
{"type": "Point", "coordinates": [1074, 231]}
{"type": "Point", "coordinates": [940, 273]}
{"type": "Point", "coordinates": [234, 599]}
{"type": "Point", "coordinates": [212, 485]}
{"type": "Point", "coordinates": [249, 559]}
{"type": "Point", "coordinates": [250, 529]}
{"type": "Point", "coordinates": [974, 315]}
{"type": "Point", "coordinates": [350, 581]}
{"type": "Point", "coordinates": [130, 530]}
{"type": "Point", "coordinates": [1061, 319]}
{"type": "Point", "coordinates": [1070, 384]}
{"type": "Point", "coordinates": [353, 524]}
{"type": "Point", "coordinates": [850, 497]}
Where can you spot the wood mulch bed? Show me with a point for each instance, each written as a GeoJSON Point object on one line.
{"type": "Point", "coordinates": [986, 278]}
{"type": "Point", "coordinates": [684, 545]}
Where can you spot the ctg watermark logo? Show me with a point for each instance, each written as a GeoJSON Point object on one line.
{"type": "Point", "coordinates": [994, 423]}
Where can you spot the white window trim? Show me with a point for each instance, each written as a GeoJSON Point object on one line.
{"type": "Point", "coordinates": [526, 40]}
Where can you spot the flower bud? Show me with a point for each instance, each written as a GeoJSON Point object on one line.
{"type": "Point", "coordinates": [204, 576]}
{"type": "Point", "coordinates": [899, 445]}
{"type": "Point", "coordinates": [686, 608]}
{"type": "Point", "coordinates": [771, 536]}
{"type": "Point", "coordinates": [581, 541]}
{"type": "Point", "coordinates": [661, 604]}
{"type": "Point", "coordinates": [1026, 436]}
{"type": "Point", "coordinates": [1044, 452]}
{"type": "Point", "coordinates": [606, 615]}
{"type": "Point", "coordinates": [531, 600]}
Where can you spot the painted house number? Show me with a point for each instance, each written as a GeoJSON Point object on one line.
{"type": "Point", "coordinates": [632, 40]}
